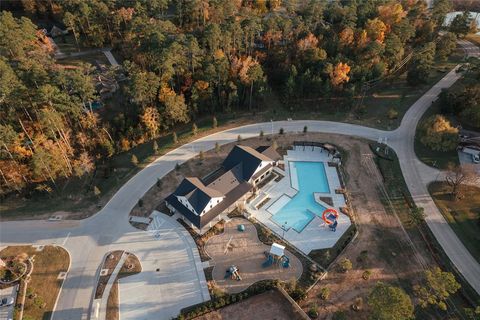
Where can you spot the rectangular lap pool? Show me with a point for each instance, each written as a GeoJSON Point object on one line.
{"type": "Point", "coordinates": [302, 208]}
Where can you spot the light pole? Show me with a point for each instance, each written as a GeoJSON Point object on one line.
{"type": "Point", "coordinates": [271, 121]}
{"type": "Point", "coordinates": [283, 229]}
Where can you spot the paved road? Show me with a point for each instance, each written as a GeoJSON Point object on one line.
{"type": "Point", "coordinates": [90, 239]}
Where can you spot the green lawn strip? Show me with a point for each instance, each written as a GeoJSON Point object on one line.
{"type": "Point", "coordinates": [437, 159]}
{"type": "Point", "coordinates": [44, 287]}
{"type": "Point", "coordinates": [462, 215]}
{"type": "Point", "coordinates": [421, 235]}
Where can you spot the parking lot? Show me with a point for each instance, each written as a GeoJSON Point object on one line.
{"type": "Point", "coordinates": [7, 312]}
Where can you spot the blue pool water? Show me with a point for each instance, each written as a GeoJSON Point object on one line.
{"type": "Point", "coordinates": [299, 211]}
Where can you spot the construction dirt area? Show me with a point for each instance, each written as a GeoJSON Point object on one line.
{"type": "Point", "coordinates": [268, 305]}
{"type": "Point", "coordinates": [244, 250]}
{"type": "Point", "coordinates": [381, 248]}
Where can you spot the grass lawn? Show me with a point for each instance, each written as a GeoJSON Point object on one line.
{"type": "Point", "coordinates": [438, 159]}
{"type": "Point", "coordinates": [462, 215]}
{"type": "Point", "coordinates": [44, 287]}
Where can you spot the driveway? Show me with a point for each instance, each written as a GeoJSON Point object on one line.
{"type": "Point", "coordinates": [169, 280]}
{"type": "Point", "coordinates": [7, 312]}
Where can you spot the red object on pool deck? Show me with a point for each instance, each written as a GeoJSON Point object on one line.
{"type": "Point", "coordinates": [327, 215]}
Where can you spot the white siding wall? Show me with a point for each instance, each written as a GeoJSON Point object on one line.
{"type": "Point", "coordinates": [213, 202]}
{"type": "Point", "coordinates": [261, 166]}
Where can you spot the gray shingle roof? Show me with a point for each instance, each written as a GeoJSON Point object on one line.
{"type": "Point", "coordinates": [248, 157]}
{"type": "Point", "coordinates": [197, 193]}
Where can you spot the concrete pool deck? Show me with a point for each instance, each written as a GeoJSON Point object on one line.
{"type": "Point", "coordinates": [316, 235]}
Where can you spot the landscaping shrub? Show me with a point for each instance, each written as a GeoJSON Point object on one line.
{"type": "Point", "coordinates": [345, 265]}
{"type": "Point", "coordinates": [217, 303]}
{"type": "Point", "coordinates": [324, 293]}
{"type": "Point", "coordinates": [339, 315]}
{"type": "Point", "coordinates": [312, 312]}
{"type": "Point", "coordinates": [392, 114]}
{"type": "Point", "coordinates": [366, 274]}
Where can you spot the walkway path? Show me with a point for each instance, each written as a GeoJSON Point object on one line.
{"type": "Point", "coordinates": [108, 287]}
{"type": "Point", "coordinates": [90, 239]}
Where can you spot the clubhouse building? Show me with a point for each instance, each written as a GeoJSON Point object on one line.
{"type": "Point", "coordinates": [203, 202]}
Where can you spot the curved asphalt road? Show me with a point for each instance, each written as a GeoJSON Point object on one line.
{"type": "Point", "coordinates": [90, 239]}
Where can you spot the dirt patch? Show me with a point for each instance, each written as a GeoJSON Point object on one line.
{"type": "Point", "coordinates": [244, 250]}
{"type": "Point", "coordinates": [269, 305]}
{"type": "Point", "coordinates": [378, 248]}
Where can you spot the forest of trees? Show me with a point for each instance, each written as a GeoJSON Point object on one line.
{"type": "Point", "coordinates": [185, 59]}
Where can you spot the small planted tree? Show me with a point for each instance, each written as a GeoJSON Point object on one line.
{"type": "Point", "coordinates": [345, 265]}
{"type": "Point", "coordinates": [392, 114]}
{"type": "Point", "coordinates": [217, 147]}
{"type": "Point", "coordinates": [158, 183]}
{"type": "Point", "coordinates": [417, 216]}
{"type": "Point", "coordinates": [194, 129]}
{"type": "Point", "coordinates": [96, 191]}
{"type": "Point", "coordinates": [313, 312]}
{"type": "Point", "coordinates": [366, 274]}
{"type": "Point", "coordinates": [174, 137]}
{"type": "Point", "coordinates": [305, 129]}
{"type": "Point", "coordinates": [177, 166]}
{"type": "Point", "coordinates": [134, 160]}
{"type": "Point", "coordinates": [456, 177]}
{"type": "Point", "coordinates": [324, 293]}
{"type": "Point", "coordinates": [140, 202]}
{"type": "Point", "coordinates": [239, 138]}
{"type": "Point", "coordinates": [281, 131]}
{"type": "Point", "coordinates": [155, 147]}
{"type": "Point", "coordinates": [201, 155]}
{"type": "Point", "coordinates": [214, 122]}
{"type": "Point", "coordinates": [261, 134]}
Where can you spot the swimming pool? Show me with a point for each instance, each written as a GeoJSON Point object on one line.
{"type": "Point", "coordinates": [302, 208]}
